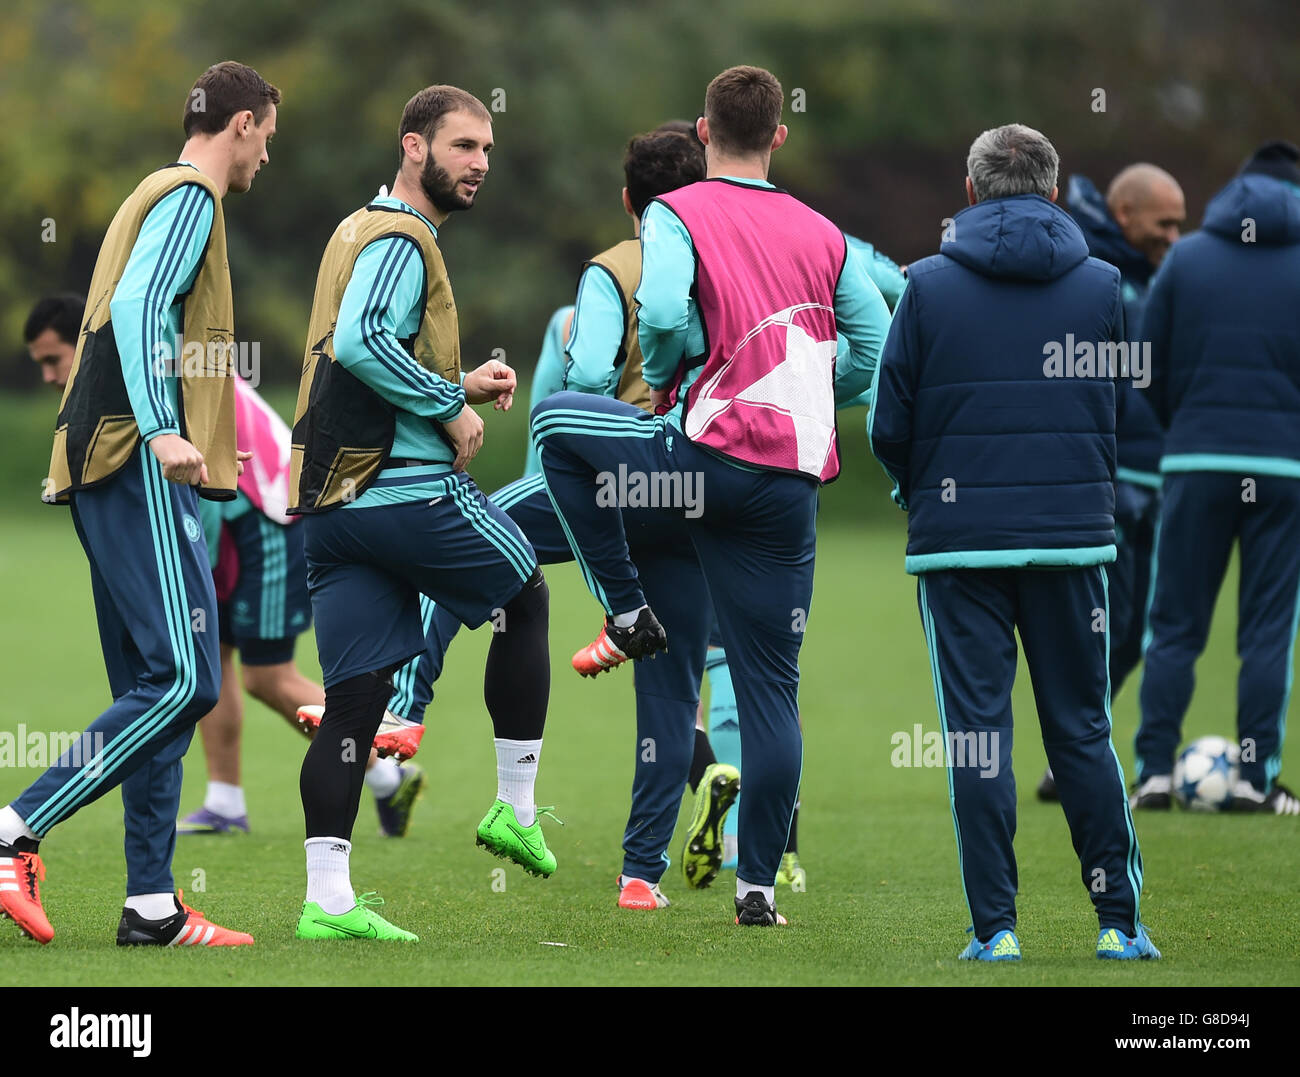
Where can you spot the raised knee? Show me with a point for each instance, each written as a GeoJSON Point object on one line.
{"type": "Point", "coordinates": [533, 599]}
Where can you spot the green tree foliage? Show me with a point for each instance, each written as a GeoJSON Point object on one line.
{"type": "Point", "coordinates": [883, 99]}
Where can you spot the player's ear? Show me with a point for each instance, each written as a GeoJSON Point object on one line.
{"type": "Point", "coordinates": [702, 129]}
{"type": "Point", "coordinates": [413, 148]}
{"type": "Point", "coordinates": [1052, 197]}
{"type": "Point", "coordinates": [627, 204]}
{"type": "Point", "coordinates": [778, 140]}
{"type": "Point", "coordinates": [242, 122]}
{"type": "Point", "coordinates": [970, 192]}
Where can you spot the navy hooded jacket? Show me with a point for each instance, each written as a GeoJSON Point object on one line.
{"type": "Point", "coordinates": [999, 464]}
{"type": "Point", "coordinates": [1223, 320]}
{"type": "Point", "coordinates": [1139, 439]}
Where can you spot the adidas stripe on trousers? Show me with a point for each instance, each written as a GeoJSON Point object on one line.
{"type": "Point", "coordinates": [157, 614]}
{"type": "Point", "coordinates": [756, 542]}
{"type": "Point", "coordinates": [970, 618]}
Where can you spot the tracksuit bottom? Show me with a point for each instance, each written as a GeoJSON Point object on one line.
{"type": "Point", "coordinates": [1203, 514]}
{"type": "Point", "coordinates": [970, 617]}
{"type": "Point", "coordinates": [157, 613]}
{"type": "Point", "coordinates": [1136, 511]}
{"type": "Point", "coordinates": [667, 689]}
{"type": "Point", "coordinates": [754, 534]}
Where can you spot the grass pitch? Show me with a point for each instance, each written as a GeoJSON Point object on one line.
{"type": "Point", "coordinates": [884, 902]}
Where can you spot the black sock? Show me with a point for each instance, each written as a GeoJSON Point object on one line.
{"type": "Point", "coordinates": [334, 768]}
{"type": "Point", "coordinates": [517, 677]}
{"type": "Point", "coordinates": [792, 842]}
{"type": "Point", "coordinates": [23, 845]}
{"type": "Point", "coordinates": [703, 758]}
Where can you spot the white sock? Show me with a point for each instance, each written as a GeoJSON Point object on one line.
{"type": "Point", "coordinates": [383, 778]}
{"type": "Point", "coordinates": [627, 620]}
{"type": "Point", "coordinates": [389, 716]}
{"type": "Point", "coordinates": [623, 881]}
{"type": "Point", "coordinates": [225, 799]}
{"type": "Point", "coordinates": [516, 776]}
{"type": "Point", "coordinates": [743, 890]}
{"type": "Point", "coordinates": [12, 827]}
{"type": "Point", "coordinates": [153, 906]}
{"type": "Point", "coordinates": [329, 883]}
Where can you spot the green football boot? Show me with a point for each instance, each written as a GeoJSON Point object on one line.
{"type": "Point", "coordinates": [702, 856]}
{"type": "Point", "coordinates": [359, 922]}
{"type": "Point", "coordinates": [501, 835]}
{"type": "Point", "coordinates": [792, 874]}
{"type": "Point", "coordinates": [395, 811]}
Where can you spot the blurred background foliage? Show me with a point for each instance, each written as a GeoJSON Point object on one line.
{"type": "Point", "coordinates": [883, 99]}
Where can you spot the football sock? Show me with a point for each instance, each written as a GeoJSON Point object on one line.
{"type": "Point", "coordinates": [222, 799]}
{"type": "Point", "coordinates": [333, 770]}
{"type": "Point", "coordinates": [383, 778]}
{"type": "Point", "coordinates": [722, 699]}
{"type": "Point", "coordinates": [725, 738]}
{"type": "Point", "coordinates": [329, 883]}
{"type": "Point", "coordinates": [792, 842]}
{"type": "Point", "coordinates": [702, 759]}
{"type": "Point", "coordinates": [12, 827]}
{"type": "Point", "coordinates": [627, 620]}
{"type": "Point", "coordinates": [517, 775]}
{"type": "Point", "coordinates": [624, 880]}
{"type": "Point", "coordinates": [517, 677]}
{"type": "Point", "coordinates": [724, 724]}
{"type": "Point", "coordinates": [154, 906]}
{"type": "Point", "coordinates": [743, 889]}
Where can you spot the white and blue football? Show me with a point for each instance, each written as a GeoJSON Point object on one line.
{"type": "Point", "coordinates": [1205, 774]}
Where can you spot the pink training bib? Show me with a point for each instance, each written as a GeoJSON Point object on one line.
{"type": "Point", "coordinates": [767, 268]}
{"type": "Point", "coordinates": [259, 430]}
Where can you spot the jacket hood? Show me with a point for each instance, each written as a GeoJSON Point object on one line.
{"type": "Point", "coordinates": [1023, 237]}
{"type": "Point", "coordinates": [1102, 232]}
{"type": "Point", "coordinates": [1272, 204]}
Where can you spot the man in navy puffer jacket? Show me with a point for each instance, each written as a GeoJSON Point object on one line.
{"type": "Point", "coordinates": [992, 419]}
{"type": "Point", "coordinates": [1223, 321]}
{"type": "Point", "coordinates": [1132, 228]}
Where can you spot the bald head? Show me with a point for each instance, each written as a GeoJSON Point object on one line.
{"type": "Point", "coordinates": [1148, 206]}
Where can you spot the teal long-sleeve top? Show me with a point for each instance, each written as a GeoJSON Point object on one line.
{"type": "Point", "coordinates": [381, 309]}
{"type": "Point", "coordinates": [148, 308]}
{"type": "Point", "coordinates": [597, 334]}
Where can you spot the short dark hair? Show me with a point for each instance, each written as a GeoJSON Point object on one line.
{"type": "Point", "coordinates": [223, 90]}
{"type": "Point", "coordinates": [62, 313]}
{"type": "Point", "coordinates": [743, 107]}
{"type": "Point", "coordinates": [657, 163]}
{"type": "Point", "coordinates": [424, 112]}
{"type": "Point", "coordinates": [681, 127]}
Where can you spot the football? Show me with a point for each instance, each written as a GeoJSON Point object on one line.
{"type": "Point", "coordinates": [1206, 773]}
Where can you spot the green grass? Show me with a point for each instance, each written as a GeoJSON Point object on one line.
{"type": "Point", "coordinates": [884, 904]}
